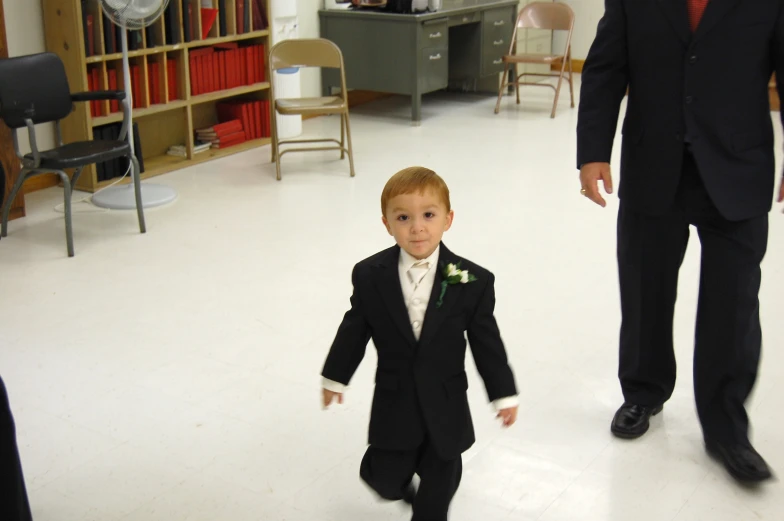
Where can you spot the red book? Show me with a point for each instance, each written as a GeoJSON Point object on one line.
{"type": "Point", "coordinates": [193, 74]}
{"type": "Point", "coordinates": [240, 16]}
{"type": "Point", "coordinates": [151, 82]}
{"type": "Point", "coordinates": [90, 89]}
{"type": "Point", "coordinates": [156, 74]}
{"type": "Point", "coordinates": [171, 79]}
{"type": "Point", "coordinates": [115, 105]}
{"type": "Point", "coordinates": [223, 79]}
{"type": "Point", "coordinates": [97, 87]}
{"type": "Point", "coordinates": [259, 122]}
{"type": "Point", "coordinates": [257, 63]}
{"type": "Point", "coordinates": [90, 36]}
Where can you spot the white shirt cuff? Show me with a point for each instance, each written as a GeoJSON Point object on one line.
{"type": "Point", "coordinates": [505, 403]}
{"type": "Point", "coordinates": [331, 385]}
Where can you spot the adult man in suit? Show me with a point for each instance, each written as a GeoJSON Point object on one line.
{"type": "Point", "coordinates": [417, 307]}
{"type": "Point", "coordinates": [14, 505]}
{"type": "Point", "coordinates": [697, 150]}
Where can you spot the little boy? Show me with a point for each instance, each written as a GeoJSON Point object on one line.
{"type": "Point", "coordinates": [416, 301]}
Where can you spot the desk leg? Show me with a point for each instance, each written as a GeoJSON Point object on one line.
{"type": "Point", "coordinates": [416, 109]}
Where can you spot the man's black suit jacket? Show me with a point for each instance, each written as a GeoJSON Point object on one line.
{"type": "Point", "coordinates": [708, 88]}
{"type": "Point", "coordinates": [421, 386]}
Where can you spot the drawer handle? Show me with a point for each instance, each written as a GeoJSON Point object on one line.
{"type": "Point", "coordinates": [436, 35]}
{"type": "Point", "coordinates": [498, 42]}
{"type": "Point", "coordinates": [499, 61]}
{"type": "Point", "coordinates": [498, 23]}
{"type": "Point", "coordinates": [435, 57]}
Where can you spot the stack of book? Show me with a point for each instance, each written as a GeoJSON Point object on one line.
{"type": "Point", "coordinates": [223, 135]}
{"type": "Point", "coordinates": [254, 115]}
{"type": "Point", "coordinates": [225, 66]}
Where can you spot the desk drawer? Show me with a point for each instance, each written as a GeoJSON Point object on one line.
{"type": "Point", "coordinates": [462, 19]}
{"type": "Point", "coordinates": [502, 18]}
{"type": "Point", "coordinates": [434, 69]}
{"type": "Point", "coordinates": [434, 33]}
{"type": "Point", "coordinates": [492, 63]}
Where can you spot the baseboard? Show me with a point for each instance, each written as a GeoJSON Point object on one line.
{"type": "Point", "coordinates": [358, 97]}
{"type": "Point", "coordinates": [40, 182]}
{"type": "Point", "coordinates": [577, 66]}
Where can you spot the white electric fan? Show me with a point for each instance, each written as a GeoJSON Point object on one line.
{"type": "Point", "coordinates": [132, 15]}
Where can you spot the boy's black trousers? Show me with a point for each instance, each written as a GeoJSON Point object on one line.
{"type": "Point", "coordinates": [13, 494]}
{"type": "Point", "coordinates": [389, 473]}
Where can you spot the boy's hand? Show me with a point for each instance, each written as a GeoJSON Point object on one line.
{"type": "Point", "coordinates": [328, 397]}
{"type": "Point", "coordinates": [509, 416]}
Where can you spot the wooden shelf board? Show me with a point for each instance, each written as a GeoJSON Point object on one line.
{"type": "Point", "coordinates": [230, 38]}
{"type": "Point", "coordinates": [168, 48]}
{"type": "Point", "coordinates": [117, 117]}
{"type": "Point", "coordinates": [228, 93]}
{"type": "Point", "coordinates": [164, 164]}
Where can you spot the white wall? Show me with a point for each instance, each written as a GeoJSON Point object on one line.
{"type": "Point", "coordinates": [587, 14]}
{"type": "Point", "coordinates": [24, 28]}
{"type": "Point", "coordinates": [307, 11]}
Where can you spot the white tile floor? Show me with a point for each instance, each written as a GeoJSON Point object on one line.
{"type": "Point", "coordinates": [174, 375]}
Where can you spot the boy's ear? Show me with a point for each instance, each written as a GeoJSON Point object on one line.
{"type": "Point", "coordinates": [386, 224]}
{"type": "Point", "coordinates": [449, 218]}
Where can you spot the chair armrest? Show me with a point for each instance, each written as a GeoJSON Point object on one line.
{"type": "Point", "coordinates": [101, 95]}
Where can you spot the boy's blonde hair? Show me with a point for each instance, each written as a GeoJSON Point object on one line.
{"type": "Point", "coordinates": [414, 179]}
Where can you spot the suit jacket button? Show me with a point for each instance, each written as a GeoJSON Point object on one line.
{"type": "Point", "coordinates": [677, 137]}
{"type": "Point", "coordinates": [693, 58]}
{"type": "Point", "coordinates": [689, 99]}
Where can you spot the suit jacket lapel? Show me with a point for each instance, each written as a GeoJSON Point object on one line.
{"type": "Point", "coordinates": [434, 316]}
{"type": "Point", "coordinates": [678, 16]}
{"type": "Point", "coordinates": [388, 284]}
{"type": "Point", "coordinates": [714, 12]}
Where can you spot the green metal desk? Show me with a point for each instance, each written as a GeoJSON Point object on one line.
{"type": "Point", "coordinates": [414, 54]}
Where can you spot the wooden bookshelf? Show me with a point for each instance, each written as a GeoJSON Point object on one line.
{"type": "Point", "coordinates": [175, 117]}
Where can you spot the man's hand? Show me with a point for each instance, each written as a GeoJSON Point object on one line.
{"type": "Point", "coordinates": [328, 397]}
{"type": "Point", "coordinates": [509, 416]}
{"type": "Point", "coordinates": [590, 174]}
{"type": "Point", "coordinates": [781, 191]}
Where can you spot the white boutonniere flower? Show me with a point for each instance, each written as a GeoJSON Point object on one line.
{"type": "Point", "coordinates": [453, 275]}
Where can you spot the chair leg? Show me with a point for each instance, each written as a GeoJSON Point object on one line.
{"type": "Point", "coordinates": [350, 146]}
{"type": "Point", "coordinates": [501, 88]}
{"type": "Point", "coordinates": [274, 138]}
{"type": "Point", "coordinates": [558, 90]}
{"type": "Point", "coordinates": [571, 83]}
{"type": "Point", "coordinates": [275, 144]}
{"type": "Point", "coordinates": [137, 188]}
{"type": "Point", "coordinates": [10, 200]}
{"type": "Point", "coordinates": [67, 205]}
{"type": "Point", "coordinates": [342, 135]}
{"type": "Point", "coordinates": [517, 83]}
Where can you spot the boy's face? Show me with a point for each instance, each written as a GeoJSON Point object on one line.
{"type": "Point", "coordinates": [417, 222]}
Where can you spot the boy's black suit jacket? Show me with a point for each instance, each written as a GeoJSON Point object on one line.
{"type": "Point", "coordinates": [421, 386]}
{"type": "Point", "coordinates": [708, 88]}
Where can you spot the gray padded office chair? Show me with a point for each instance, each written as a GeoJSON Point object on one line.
{"type": "Point", "coordinates": [34, 89]}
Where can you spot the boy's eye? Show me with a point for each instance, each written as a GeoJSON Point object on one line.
{"type": "Point", "coordinates": [402, 217]}
{"type": "Point", "coordinates": [430, 215]}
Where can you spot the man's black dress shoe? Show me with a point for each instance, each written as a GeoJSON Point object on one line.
{"type": "Point", "coordinates": [741, 461]}
{"type": "Point", "coordinates": [632, 421]}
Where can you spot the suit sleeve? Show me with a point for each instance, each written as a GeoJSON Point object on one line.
{"type": "Point", "coordinates": [778, 57]}
{"type": "Point", "coordinates": [348, 348]}
{"type": "Point", "coordinates": [488, 348]}
{"type": "Point", "coordinates": [605, 78]}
